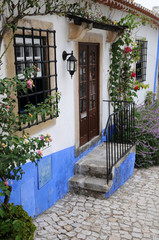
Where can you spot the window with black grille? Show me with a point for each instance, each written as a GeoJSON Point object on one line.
{"type": "Point", "coordinates": [142, 62]}
{"type": "Point", "coordinates": [36, 47]}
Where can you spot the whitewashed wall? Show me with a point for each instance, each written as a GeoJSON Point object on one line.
{"type": "Point", "coordinates": [63, 131]}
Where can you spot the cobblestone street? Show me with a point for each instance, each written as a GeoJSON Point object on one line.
{"type": "Point", "coordinates": [132, 212]}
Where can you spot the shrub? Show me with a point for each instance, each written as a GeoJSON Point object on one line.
{"type": "Point", "coordinates": [147, 135]}
{"type": "Point", "coordinates": [15, 223]}
{"type": "Point", "coordinates": [16, 148]}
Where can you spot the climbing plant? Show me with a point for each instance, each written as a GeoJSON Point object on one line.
{"type": "Point", "coordinates": [12, 11]}
{"type": "Point", "coordinates": [122, 84]}
{"type": "Point", "coordinates": [17, 148]}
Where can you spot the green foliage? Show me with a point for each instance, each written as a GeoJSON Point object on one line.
{"type": "Point", "coordinates": [4, 189]}
{"type": "Point", "coordinates": [147, 135]}
{"type": "Point", "coordinates": [15, 223]}
{"type": "Point", "coordinates": [15, 148]}
{"type": "Point", "coordinates": [149, 97]}
{"type": "Point", "coordinates": [124, 52]}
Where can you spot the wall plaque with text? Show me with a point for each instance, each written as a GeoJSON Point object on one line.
{"type": "Point", "coordinates": [44, 171]}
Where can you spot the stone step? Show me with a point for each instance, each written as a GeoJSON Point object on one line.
{"type": "Point", "coordinates": [78, 182]}
{"type": "Point", "coordinates": [91, 167]}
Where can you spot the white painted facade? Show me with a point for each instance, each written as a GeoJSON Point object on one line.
{"type": "Point", "coordinates": [65, 129]}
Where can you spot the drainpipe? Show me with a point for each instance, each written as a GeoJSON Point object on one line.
{"type": "Point", "coordinates": [156, 68]}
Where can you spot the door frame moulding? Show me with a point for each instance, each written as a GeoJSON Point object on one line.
{"type": "Point", "coordinates": [90, 37]}
{"type": "Point", "coordinates": [90, 121]}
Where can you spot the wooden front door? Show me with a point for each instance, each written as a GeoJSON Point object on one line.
{"type": "Point", "coordinates": [88, 91]}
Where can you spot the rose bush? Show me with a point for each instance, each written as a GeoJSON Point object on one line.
{"type": "Point", "coordinates": [16, 148]}
{"type": "Point", "coordinates": [124, 53]}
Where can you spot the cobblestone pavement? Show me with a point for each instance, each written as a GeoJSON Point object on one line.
{"type": "Point", "coordinates": [132, 212]}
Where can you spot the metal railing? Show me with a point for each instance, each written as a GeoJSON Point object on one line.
{"type": "Point", "coordinates": [119, 132]}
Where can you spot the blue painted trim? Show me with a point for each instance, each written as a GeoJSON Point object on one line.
{"type": "Point", "coordinates": [156, 68]}
{"type": "Point", "coordinates": [122, 173]}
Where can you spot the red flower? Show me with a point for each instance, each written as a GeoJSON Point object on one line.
{"type": "Point", "coordinates": [136, 88]}
{"type": "Point", "coordinates": [133, 74]}
{"type": "Point", "coordinates": [127, 50]}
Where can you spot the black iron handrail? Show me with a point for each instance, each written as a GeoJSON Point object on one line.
{"type": "Point", "coordinates": [119, 132]}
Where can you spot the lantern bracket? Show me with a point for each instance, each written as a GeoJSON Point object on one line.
{"type": "Point", "coordinates": [65, 54]}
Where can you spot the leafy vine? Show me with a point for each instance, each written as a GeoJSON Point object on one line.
{"type": "Point", "coordinates": [124, 53]}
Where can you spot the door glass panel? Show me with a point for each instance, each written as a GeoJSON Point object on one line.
{"type": "Point", "coordinates": [81, 106]}
{"type": "Point", "coordinates": [80, 74]}
{"type": "Point", "coordinates": [94, 87]}
{"type": "Point", "coordinates": [83, 84]}
{"type": "Point", "coordinates": [84, 89]}
{"type": "Point", "coordinates": [90, 73]}
{"type": "Point", "coordinates": [84, 73]}
{"type": "Point", "coordinates": [90, 57]}
{"type": "Point", "coordinates": [94, 58]}
{"type": "Point", "coordinates": [93, 101]}
{"type": "Point", "coordinates": [84, 105]}
{"type": "Point", "coordinates": [80, 57]}
{"type": "Point", "coordinates": [84, 57]}
{"type": "Point", "coordinates": [90, 103]}
{"type": "Point", "coordinates": [90, 88]}
{"type": "Point", "coordinates": [81, 92]}
{"type": "Point", "coordinates": [93, 72]}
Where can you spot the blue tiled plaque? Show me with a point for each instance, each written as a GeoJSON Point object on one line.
{"type": "Point", "coordinates": [44, 171]}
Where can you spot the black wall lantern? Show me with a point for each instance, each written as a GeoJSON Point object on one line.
{"type": "Point", "coordinates": [71, 62]}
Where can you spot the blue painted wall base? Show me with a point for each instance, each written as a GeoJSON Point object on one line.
{"type": "Point", "coordinates": [36, 198]}
{"type": "Point", "coordinates": [40, 188]}
{"type": "Point", "coordinates": [122, 173]}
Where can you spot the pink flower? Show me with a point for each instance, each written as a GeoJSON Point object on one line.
{"type": "Point", "coordinates": [40, 152]}
{"type": "Point", "coordinates": [50, 139]}
{"type": "Point", "coordinates": [29, 84]}
{"type": "Point", "coordinates": [6, 183]}
{"type": "Point", "coordinates": [7, 107]}
{"type": "Point", "coordinates": [41, 137]}
{"type": "Point", "coordinates": [133, 74]}
{"type": "Point", "coordinates": [11, 97]}
{"type": "Point", "coordinates": [38, 69]}
{"type": "Point", "coordinates": [127, 50]}
{"type": "Point", "coordinates": [1, 105]}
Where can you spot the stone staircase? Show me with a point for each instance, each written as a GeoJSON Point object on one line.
{"type": "Point", "coordinates": [91, 174]}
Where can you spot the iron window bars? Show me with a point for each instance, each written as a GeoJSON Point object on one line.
{"type": "Point", "coordinates": [36, 47]}
{"type": "Point", "coordinates": [142, 62]}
